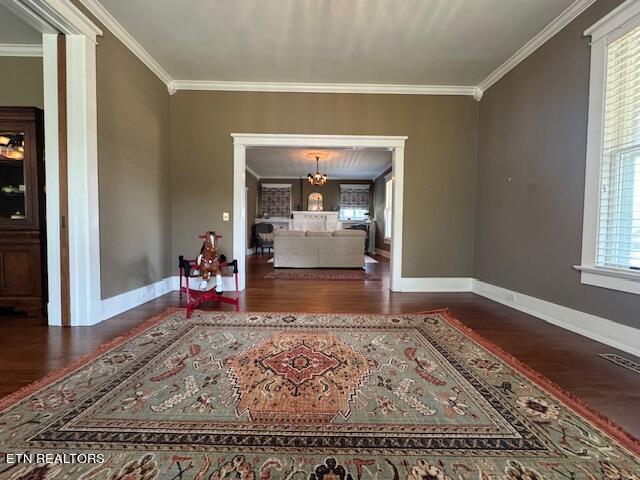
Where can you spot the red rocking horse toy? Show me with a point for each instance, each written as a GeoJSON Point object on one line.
{"type": "Point", "coordinates": [208, 262]}
{"type": "Point", "coordinates": [208, 265]}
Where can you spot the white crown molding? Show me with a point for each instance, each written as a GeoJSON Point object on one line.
{"type": "Point", "coordinates": [61, 14]}
{"type": "Point", "coordinates": [20, 50]}
{"type": "Point", "coordinates": [328, 88]}
{"type": "Point", "coordinates": [378, 175]}
{"type": "Point", "coordinates": [277, 185]}
{"type": "Point", "coordinates": [96, 8]}
{"type": "Point", "coordinates": [280, 177]}
{"type": "Point", "coordinates": [104, 17]}
{"type": "Point", "coordinates": [557, 24]}
{"type": "Point", "coordinates": [30, 17]}
{"type": "Point", "coordinates": [252, 172]}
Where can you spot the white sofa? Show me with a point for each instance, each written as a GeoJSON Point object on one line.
{"type": "Point", "coordinates": [318, 249]}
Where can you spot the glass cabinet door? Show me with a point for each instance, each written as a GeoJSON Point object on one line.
{"type": "Point", "coordinates": [13, 178]}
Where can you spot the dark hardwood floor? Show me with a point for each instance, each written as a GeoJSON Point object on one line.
{"type": "Point", "coordinates": [29, 350]}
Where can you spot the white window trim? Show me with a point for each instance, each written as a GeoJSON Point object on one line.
{"type": "Point", "coordinates": [619, 21]}
{"type": "Point", "coordinates": [387, 179]}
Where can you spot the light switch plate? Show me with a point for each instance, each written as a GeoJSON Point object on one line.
{"type": "Point", "coordinates": [225, 216]}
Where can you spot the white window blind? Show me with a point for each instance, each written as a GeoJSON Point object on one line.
{"type": "Point", "coordinates": [354, 201]}
{"type": "Point", "coordinates": [618, 244]}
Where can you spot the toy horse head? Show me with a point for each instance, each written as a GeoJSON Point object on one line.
{"type": "Point", "coordinates": [209, 245]}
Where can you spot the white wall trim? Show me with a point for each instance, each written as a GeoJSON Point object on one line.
{"type": "Point", "coordinates": [30, 17]}
{"type": "Point", "coordinates": [82, 152]}
{"type": "Point", "coordinates": [243, 140]}
{"type": "Point", "coordinates": [596, 328]}
{"type": "Point", "coordinates": [614, 20]}
{"type": "Point", "coordinates": [327, 88]}
{"type": "Point", "coordinates": [84, 234]}
{"type": "Point", "coordinates": [435, 284]}
{"type": "Point", "coordinates": [383, 253]}
{"type": "Point", "coordinates": [277, 185]}
{"type": "Point", "coordinates": [561, 21]}
{"type": "Point", "coordinates": [617, 22]}
{"type": "Point", "coordinates": [252, 172]}
{"type": "Point", "coordinates": [228, 284]}
{"type": "Point", "coordinates": [104, 17]}
{"type": "Point", "coordinates": [611, 278]}
{"type": "Point", "coordinates": [20, 50]}
{"type": "Point", "coordinates": [63, 15]}
{"type": "Point", "coordinates": [52, 177]}
{"type": "Point", "coordinates": [126, 301]}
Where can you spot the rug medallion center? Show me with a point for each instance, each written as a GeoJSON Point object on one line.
{"type": "Point", "coordinates": [297, 376]}
{"type": "Point", "coordinates": [300, 364]}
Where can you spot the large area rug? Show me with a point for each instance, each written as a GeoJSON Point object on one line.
{"type": "Point", "coordinates": [308, 397]}
{"type": "Point", "coordinates": [320, 274]}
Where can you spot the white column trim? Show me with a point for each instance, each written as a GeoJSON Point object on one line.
{"type": "Point", "coordinates": [397, 209]}
{"type": "Point", "coordinates": [239, 215]}
{"type": "Point", "coordinates": [243, 140]}
{"type": "Point", "coordinates": [52, 177]}
{"type": "Point", "coordinates": [51, 17]}
{"type": "Point", "coordinates": [82, 159]}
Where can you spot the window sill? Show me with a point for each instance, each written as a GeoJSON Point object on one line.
{"type": "Point", "coordinates": [611, 278]}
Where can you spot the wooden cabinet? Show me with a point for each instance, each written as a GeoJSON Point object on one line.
{"type": "Point", "coordinates": [22, 207]}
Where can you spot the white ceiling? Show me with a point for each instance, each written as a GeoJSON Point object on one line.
{"type": "Point", "coordinates": [412, 42]}
{"type": "Point", "coordinates": [14, 30]}
{"type": "Point", "coordinates": [340, 164]}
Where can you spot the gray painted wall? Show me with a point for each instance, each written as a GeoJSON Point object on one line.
{"type": "Point", "coordinates": [21, 82]}
{"type": "Point", "coordinates": [440, 162]}
{"type": "Point", "coordinates": [14, 30]}
{"type": "Point", "coordinates": [133, 168]}
{"type": "Point", "coordinates": [533, 130]}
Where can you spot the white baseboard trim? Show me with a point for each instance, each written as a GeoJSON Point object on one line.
{"type": "Point", "coordinates": [435, 284]}
{"type": "Point", "coordinates": [383, 253]}
{"type": "Point", "coordinates": [596, 328]}
{"type": "Point", "coordinates": [251, 251]}
{"type": "Point", "coordinates": [126, 301]}
{"type": "Point", "coordinates": [228, 284]}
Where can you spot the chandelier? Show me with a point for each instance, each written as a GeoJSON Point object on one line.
{"type": "Point", "coordinates": [317, 178]}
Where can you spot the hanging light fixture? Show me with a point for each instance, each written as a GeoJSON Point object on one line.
{"type": "Point", "coordinates": [317, 178]}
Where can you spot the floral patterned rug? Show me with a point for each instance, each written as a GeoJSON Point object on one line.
{"type": "Point", "coordinates": [290, 396]}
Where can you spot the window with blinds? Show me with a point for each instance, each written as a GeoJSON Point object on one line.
{"type": "Point", "coordinates": [618, 244]}
{"type": "Point", "coordinates": [354, 202]}
{"type": "Point", "coordinates": [276, 199]}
